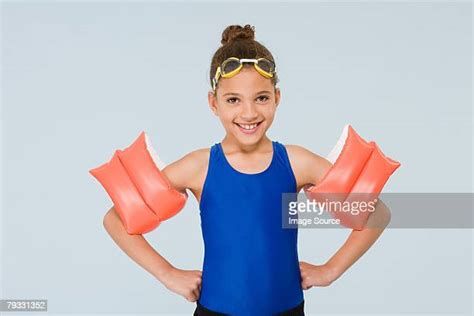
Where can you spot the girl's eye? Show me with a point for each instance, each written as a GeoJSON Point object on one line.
{"type": "Point", "coordinates": [263, 96]}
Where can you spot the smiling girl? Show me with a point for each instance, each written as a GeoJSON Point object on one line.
{"type": "Point", "coordinates": [251, 264]}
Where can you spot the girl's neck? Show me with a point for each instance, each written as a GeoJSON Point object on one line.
{"type": "Point", "coordinates": [232, 145]}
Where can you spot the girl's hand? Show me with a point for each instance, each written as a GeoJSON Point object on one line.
{"type": "Point", "coordinates": [314, 275]}
{"type": "Point", "coordinates": [186, 283]}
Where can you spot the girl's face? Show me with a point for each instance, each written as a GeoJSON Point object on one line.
{"type": "Point", "coordinates": [246, 105]}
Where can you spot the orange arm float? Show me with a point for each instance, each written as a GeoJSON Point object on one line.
{"type": "Point", "coordinates": [142, 195]}
{"type": "Point", "coordinates": [135, 214]}
{"type": "Point", "coordinates": [360, 170]}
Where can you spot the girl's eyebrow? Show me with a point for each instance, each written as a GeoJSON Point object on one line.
{"type": "Point", "coordinates": [233, 93]}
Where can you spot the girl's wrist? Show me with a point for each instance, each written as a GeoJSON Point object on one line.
{"type": "Point", "coordinates": [163, 272]}
{"type": "Point", "coordinates": [334, 272]}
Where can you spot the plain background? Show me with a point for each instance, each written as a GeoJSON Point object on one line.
{"type": "Point", "coordinates": [81, 79]}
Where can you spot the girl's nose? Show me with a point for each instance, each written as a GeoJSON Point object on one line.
{"type": "Point", "coordinates": [249, 112]}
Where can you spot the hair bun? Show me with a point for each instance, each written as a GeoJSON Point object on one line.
{"type": "Point", "coordinates": [233, 32]}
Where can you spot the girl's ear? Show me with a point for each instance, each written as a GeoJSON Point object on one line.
{"type": "Point", "coordinates": [212, 99]}
{"type": "Point", "coordinates": [277, 96]}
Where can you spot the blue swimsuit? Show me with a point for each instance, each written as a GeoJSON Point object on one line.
{"type": "Point", "coordinates": [251, 263]}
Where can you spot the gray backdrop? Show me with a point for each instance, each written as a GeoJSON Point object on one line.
{"type": "Point", "coordinates": [80, 80]}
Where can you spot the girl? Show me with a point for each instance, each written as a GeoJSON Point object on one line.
{"type": "Point", "coordinates": [251, 263]}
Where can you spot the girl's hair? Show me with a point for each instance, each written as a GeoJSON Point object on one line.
{"type": "Point", "coordinates": [238, 41]}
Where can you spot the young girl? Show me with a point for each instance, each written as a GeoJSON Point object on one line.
{"type": "Point", "coordinates": [251, 263]}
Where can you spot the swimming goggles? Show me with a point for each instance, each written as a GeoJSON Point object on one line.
{"type": "Point", "coordinates": [232, 66]}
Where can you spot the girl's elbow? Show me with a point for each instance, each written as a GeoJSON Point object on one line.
{"type": "Point", "coordinates": [385, 214]}
{"type": "Point", "coordinates": [388, 217]}
{"type": "Point", "coordinates": [108, 218]}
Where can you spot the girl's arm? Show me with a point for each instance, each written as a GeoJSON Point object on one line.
{"type": "Point", "coordinates": [184, 282]}
{"type": "Point", "coordinates": [356, 244]}
{"type": "Point", "coordinates": [310, 168]}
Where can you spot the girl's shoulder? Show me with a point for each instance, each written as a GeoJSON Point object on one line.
{"type": "Point", "coordinates": [302, 154]}
{"type": "Point", "coordinates": [307, 166]}
{"type": "Point", "coordinates": [185, 172]}
{"type": "Point", "coordinates": [197, 158]}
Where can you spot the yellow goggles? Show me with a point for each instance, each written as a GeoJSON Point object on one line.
{"type": "Point", "coordinates": [232, 66]}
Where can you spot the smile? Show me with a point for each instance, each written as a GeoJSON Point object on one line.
{"type": "Point", "coordinates": [248, 128]}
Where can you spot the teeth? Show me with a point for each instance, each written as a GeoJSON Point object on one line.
{"type": "Point", "coordinates": [247, 126]}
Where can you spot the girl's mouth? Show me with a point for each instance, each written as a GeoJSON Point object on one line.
{"type": "Point", "coordinates": [248, 128]}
